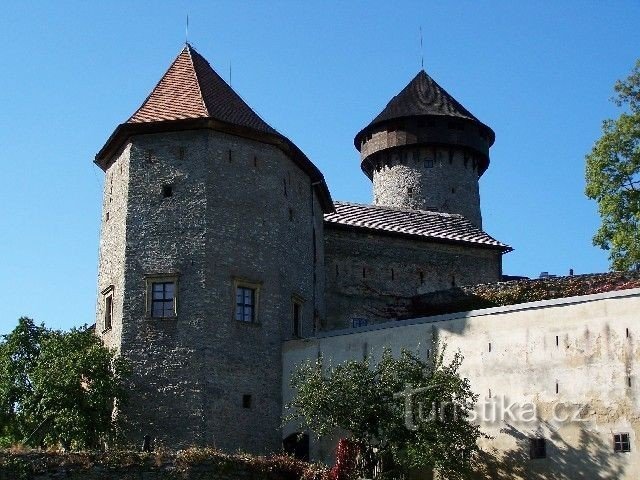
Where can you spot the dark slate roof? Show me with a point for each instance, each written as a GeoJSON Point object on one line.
{"type": "Point", "coordinates": [423, 96]}
{"type": "Point", "coordinates": [424, 224]}
{"type": "Point", "coordinates": [190, 89]}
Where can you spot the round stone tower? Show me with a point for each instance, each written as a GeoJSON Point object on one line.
{"type": "Point", "coordinates": [426, 151]}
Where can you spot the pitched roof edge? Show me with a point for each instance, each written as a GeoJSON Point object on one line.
{"type": "Point", "coordinates": [347, 226]}
{"type": "Point", "coordinates": [195, 72]}
{"type": "Point", "coordinates": [125, 130]}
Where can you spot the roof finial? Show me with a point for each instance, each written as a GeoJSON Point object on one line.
{"type": "Point", "coordinates": [421, 50]}
{"type": "Point", "coordinates": [186, 31]}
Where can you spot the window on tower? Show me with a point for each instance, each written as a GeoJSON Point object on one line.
{"type": "Point", "coordinates": [107, 295]}
{"type": "Point", "coordinates": [246, 301]}
{"type": "Point", "coordinates": [162, 293]}
{"type": "Point", "coordinates": [428, 162]}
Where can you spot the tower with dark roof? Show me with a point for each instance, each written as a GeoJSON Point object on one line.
{"type": "Point", "coordinates": [426, 151]}
{"type": "Point", "coordinates": [211, 255]}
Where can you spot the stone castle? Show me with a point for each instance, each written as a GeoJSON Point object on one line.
{"type": "Point", "coordinates": [222, 250]}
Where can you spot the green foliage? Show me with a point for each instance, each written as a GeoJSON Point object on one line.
{"type": "Point", "coordinates": [613, 178]}
{"type": "Point", "coordinates": [58, 388]}
{"type": "Point", "coordinates": [369, 401]}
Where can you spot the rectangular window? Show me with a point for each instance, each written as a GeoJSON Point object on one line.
{"type": "Point", "coordinates": [621, 442]}
{"type": "Point", "coordinates": [359, 322]}
{"type": "Point", "coordinates": [537, 448]}
{"type": "Point", "coordinates": [297, 318]}
{"type": "Point", "coordinates": [428, 163]}
{"type": "Point", "coordinates": [108, 312]}
{"type": "Point", "coordinates": [162, 295]}
{"type": "Point", "coordinates": [162, 299]}
{"type": "Point", "coordinates": [107, 295]}
{"type": "Point", "coordinates": [245, 304]}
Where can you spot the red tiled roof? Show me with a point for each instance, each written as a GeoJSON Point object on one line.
{"type": "Point", "coordinates": [189, 89]}
{"type": "Point", "coordinates": [420, 223]}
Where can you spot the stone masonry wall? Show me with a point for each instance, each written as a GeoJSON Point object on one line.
{"type": "Point", "coordinates": [368, 273]}
{"type": "Point", "coordinates": [112, 247]}
{"type": "Point", "coordinates": [191, 464]}
{"type": "Point", "coordinates": [240, 210]}
{"type": "Point", "coordinates": [428, 178]}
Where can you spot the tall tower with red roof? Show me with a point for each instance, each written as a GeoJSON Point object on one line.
{"type": "Point", "coordinates": [203, 200]}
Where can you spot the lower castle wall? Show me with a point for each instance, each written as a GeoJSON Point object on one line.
{"type": "Point", "coordinates": [369, 275]}
{"type": "Point", "coordinates": [588, 346]}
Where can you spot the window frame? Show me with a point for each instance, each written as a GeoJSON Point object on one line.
{"type": "Point", "coordinates": [250, 285]}
{"type": "Point", "coordinates": [107, 308]}
{"type": "Point", "coordinates": [620, 444]}
{"type": "Point", "coordinates": [164, 278]}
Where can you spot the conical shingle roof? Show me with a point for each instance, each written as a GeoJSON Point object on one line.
{"type": "Point", "coordinates": [423, 96]}
{"type": "Point", "coordinates": [190, 88]}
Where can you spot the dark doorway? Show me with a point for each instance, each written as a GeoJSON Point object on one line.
{"type": "Point", "coordinates": [297, 444]}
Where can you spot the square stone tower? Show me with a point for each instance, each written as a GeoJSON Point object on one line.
{"type": "Point", "coordinates": [203, 201]}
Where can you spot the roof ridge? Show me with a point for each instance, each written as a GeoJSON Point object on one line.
{"type": "Point", "coordinates": [188, 47]}
{"type": "Point", "coordinates": [155, 87]}
{"type": "Point", "coordinates": [399, 209]}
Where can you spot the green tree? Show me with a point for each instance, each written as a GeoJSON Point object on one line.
{"type": "Point", "coordinates": [415, 414]}
{"type": "Point", "coordinates": [58, 388]}
{"type": "Point", "coordinates": [613, 178]}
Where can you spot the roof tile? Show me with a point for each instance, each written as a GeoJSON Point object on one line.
{"type": "Point", "coordinates": [190, 88]}
{"type": "Point", "coordinates": [420, 223]}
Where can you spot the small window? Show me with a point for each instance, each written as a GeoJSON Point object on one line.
{"type": "Point", "coordinates": [246, 401]}
{"type": "Point", "coordinates": [410, 191]}
{"type": "Point", "coordinates": [107, 295]}
{"type": "Point", "coordinates": [162, 295]}
{"type": "Point", "coordinates": [108, 312]}
{"type": "Point", "coordinates": [162, 299]}
{"type": "Point", "coordinates": [621, 442]}
{"type": "Point", "coordinates": [428, 162]}
{"type": "Point", "coordinates": [167, 191]}
{"type": "Point", "coordinates": [537, 448]}
{"type": "Point", "coordinates": [297, 318]}
{"type": "Point", "coordinates": [359, 322]}
{"type": "Point", "coordinates": [245, 304]}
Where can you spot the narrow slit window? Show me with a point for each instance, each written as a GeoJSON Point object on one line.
{"type": "Point", "coordinates": [246, 401]}
{"type": "Point", "coordinates": [297, 319]}
{"type": "Point", "coordinates": [167, 191]}
{"type": "Point", "coordinates": [108, 308]}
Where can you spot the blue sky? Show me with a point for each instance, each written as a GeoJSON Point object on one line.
{"type": "Point", "coordinates": [539, 73]}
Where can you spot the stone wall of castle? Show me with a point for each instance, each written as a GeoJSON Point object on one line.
{"type": "Point", "coordinates": [428, 178]}
{"type": "Point", "coordinates": [111, 279]}
{"type": "Point", "coordinates": [240, 213]}
{"type": "Point", "coordinates": [572, 362]}
{"type": "Point", "coordinates": [368, 275]}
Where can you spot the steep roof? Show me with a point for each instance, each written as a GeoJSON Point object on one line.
{"type": "Point", "coordinates": [423, 224]}
{"type": "Point", "coordinates": [423, 96]}
{"type": "Point", "coordinates": [190, 96]}
{"type": "Point", "coordinates": [190, 88]}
